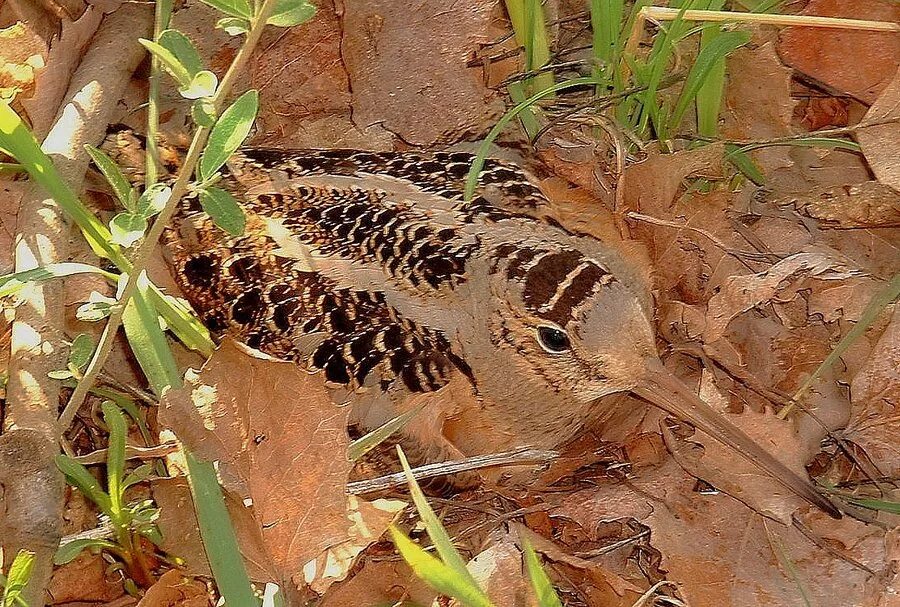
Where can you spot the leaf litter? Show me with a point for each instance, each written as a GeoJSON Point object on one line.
{"type": "Point", "coordinates": [753, 289]}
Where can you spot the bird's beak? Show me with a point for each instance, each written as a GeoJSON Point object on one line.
{"type": "Point", "coordinates": [667, 392]}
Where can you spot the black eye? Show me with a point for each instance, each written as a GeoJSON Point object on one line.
{"type": "Point", "coordinates": [553, 340]}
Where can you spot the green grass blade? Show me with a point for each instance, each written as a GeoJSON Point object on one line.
{"type": "Point", "coordinates": [529, 26]}
{"type": "Point", "coordinates": [366, 443]}
{"type": "Point", "coordinates": [79, 477]}
{"type": "Point", "coordinates": [114, 176]}
{"type": "Point", "coordinates": [872, 504]}
{"type": "Point", "coordinates": [712, 90]}
{"type": "Point", "coordinates": [811, 142]}
{"type": "Point", "coordinates": [12, 283]}
{"type": "Point", "coordinates": [442, 542]}
{"type": "Point", "coordinates": [540, 583]}
{"type": "Point", "coordinates": [217, 532]}
{"type": "Point", "coordinates": [744, 164]}
{"type": "Point", "coordinates": [115, 460]}
{"type": "Point", "coordinates": [148, 342]}
{"type": "Point", "coordinates": [19, 574]}
{"type": "Point", "coordinates": [17, 139]}
{"type": "Point", "coordinates": [181, 321]}
{"type": "Point", "coordinates": [485, 147]}
{"type": "Point", "coordinates": [708, 59]}
{"type": "Point", "coordinates": [436, 574]}
{"type": "Point", "coordinates": [529, 121]}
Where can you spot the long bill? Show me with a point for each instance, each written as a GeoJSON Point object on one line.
{"type": "Point", "coordinates": [667, 392]}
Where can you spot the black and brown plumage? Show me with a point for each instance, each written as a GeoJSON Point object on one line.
{"type": "Point", "coordinates": [372, 268]}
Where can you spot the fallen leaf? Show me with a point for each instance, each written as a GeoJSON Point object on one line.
{"type": "Point", "coordinates": [875, 393]}
{"type": "Point", "coordinates": [84, 579]}
{"type": "Point", "coordinates": [173, 589]}
{"type": "Point", "coordinates": [279, 439]}
{"type": "Point", "coordinates": [880, 143]}
{"type": "Point", "coordinates": [499, 572]}
{"type": "Point", "coordinates": [856, 63]}
{"type": "Point", "coordinates": [379, 582]}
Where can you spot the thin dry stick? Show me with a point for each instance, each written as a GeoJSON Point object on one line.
{"type": "Point", "coordinates": [659, 13]}
{"type": "Point", "coordinates": [34, 501]}
{"type": "Point", "coordinates": [142, 257]}
{"type": "Point", "coordinates": [523, 455]}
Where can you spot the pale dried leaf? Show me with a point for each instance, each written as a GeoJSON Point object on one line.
{"type": "Point", "coordinates": [880, 144]}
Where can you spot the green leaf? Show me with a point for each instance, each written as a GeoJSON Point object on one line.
{"type": "Point", "coordinates": [366, 443]}
{"type": "Point", "coordinates": [115, 460]}
{"type": "Point", "coordinates": [152, 200]}
{"type": "Point", "coordinates": [291, 12]}
{"type": "Point", "coordinates": [81, 350]}
{"type": "Point", "coordinates": [182, 321]}
{"type": "Point", "coordinates": [169, 61]}
{"type": "Point", "coordinates": [872, 504]}
{"type": "Point", "coordinates": [229, 133]}
{"type": "Point", "coordinates": [182, 48]}
{"type": "Point", "coordinates": [152, 533]}
{"type": "Point", "coordinates": [235, 8]}
{"type": "Point", "coordinates": [233, 26]}
{"type": "Point", "coordinates": [78, 476]}
{"type": "Point", "coordinates": [203, 112]}
{"type": "Point", "coordinates": [540, 583]}
{"type": "Point", "coordinates": [138, 475]}
{"type": "Point", "coordinates": [117, 180]}
{"type": "Point", "coordinates": [744, 164]}
{"type": "Point", "coordinates": [709, 96]}
{"type": "Point", "coordinates": [443, 578]}
{"type": "Point", "coordinates": [127, 228]}
{"type": "Point", "coordinates": [19, 574]}
{"type": "Point", "coordinates": [203, 84]}
{"type": "Point", "coordinates": [148, 342]}
{"type": "Point", "coordinates": [224, 210]}
{"type": "Point", "coordinates": [808, 142]}
{"type": "Point", "coordinates": [217, 532]}
{"type": "Point", "coordinates": [97, 308]}
{"type": "Point", "coordinates": [13, 283]}
{"type": "Point", "coordinates": [710, 56]}
{"type": "Point", "coordinates": [442, 542]}
{"type": "Point", "coordinates": [68, 551]}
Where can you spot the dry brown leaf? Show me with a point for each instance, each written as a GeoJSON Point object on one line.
{"type": "Point", "coordinates": [22, 54]}
{"type": "Point", "coordinates": [498, 570]}
{"type": "Point", "coordinates": [758, 101]}
{"type": "Point", "coordinates": [382, 582]}
{"type": "Point", "coordinates": [718, 551]}
{"type": "Point", "coordinates": [279, 440]}
{"type": "Point", "coordinates": [741, 293]}
{"type": "Point", "coordinates": [172, 589]}
{"type": "Point", "coordinates": [413, 85]}
{"type": "Point", "coordinates": [856, 63]}
{"type": "Point", "coordinates": [368, 522]}
{"type": "Point", "coordinates": [880, 144]}
{"type": "Point", "coordinates": [84, 579]}
{"type": "Point", "coordinates": [875, 394]}
{"type": "Point", "coordinates": [723, 469]}
{"type": "Point", "coordinates": [864, 205]}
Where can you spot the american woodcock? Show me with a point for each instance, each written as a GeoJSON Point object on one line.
{"type": "Point", "coordinates": [372, 268]}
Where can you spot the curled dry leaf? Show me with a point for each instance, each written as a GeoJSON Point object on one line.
{"type": "Point", "coordinates": [173, 589]}
{"type": "Point", "coordinates": [281, 442]}
{"type": "Point", "coordinates": [741, 293]}
{"type": "Point", "coordinates": [727, 472]}
{"type": "Point", "coordinates": [719, 552]}
{"type": "Point", "coordinates": [875, 394]}
{"type": "Point", "coordinates": [880, 143]}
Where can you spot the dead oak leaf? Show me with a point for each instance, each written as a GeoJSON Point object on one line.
{"type": "Point", "coordinates": [279, 439]}
{"type": "Point", "coordinates": [723, 469]}
{"type": "Point", "coordinates": [173, 589]}
{"type": "Point", "coordinates": [879, 143]}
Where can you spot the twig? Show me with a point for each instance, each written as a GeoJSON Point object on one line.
{"type": "Point", "coordinates": [131, 452]}
{"type": "Point", "coordinates": [659, 13]}
{"type": "Point", "coordinates": [523, 455]}
{"type": "Point", "coordinates": [145, 251]}
{"type": "Point", "coordinates": [33, 514]}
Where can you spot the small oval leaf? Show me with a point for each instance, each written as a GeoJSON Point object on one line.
{"type": "Point", "coordinates": [81, 350]}
{"type": "Point", "coordinates": [169, 61]}
{"type": "Point", "coordinates": [203, 112]}
{"type": "Point", "coordinates": [183, 49]}
{"type": "Point", "coordinates": [127, 228]}
{"type": "Point", "coordinates": [70, 550]}
{"type": "Point", "coordinates": [203, 84]}
{"type": "Point", "coordinates": [153, 200]}
{"type": "Point", "coordinates": [229, 133]}
{"type": "Point", "coordinates": [233, 26]}
{"type": "Point", "coordinates": [291, 12]}
{"type": "Point", "coordinates": [235, 8]}
{"type": "Point", "coordinates": [120, 186]}
{"type": "Point", "coordinates": [224, 210]}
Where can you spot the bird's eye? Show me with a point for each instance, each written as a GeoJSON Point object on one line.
{"type": "Point", "coordinates": [553, 340]}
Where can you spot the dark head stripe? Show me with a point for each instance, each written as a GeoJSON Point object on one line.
{"type": "Point", "coordinates": [544, 277]}
{"type": "Point", "coordinates": [581, 284]}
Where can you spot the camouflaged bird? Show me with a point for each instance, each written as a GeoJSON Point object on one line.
{"type": "Point", "coordinates": [373, 269]}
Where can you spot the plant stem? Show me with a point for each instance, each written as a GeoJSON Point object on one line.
{"type": "Point", "coordinates": [144, 252]}
{"type": "Point", "coordinates": [160, 23]}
